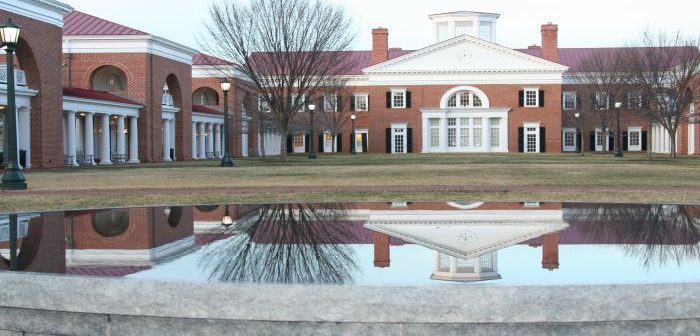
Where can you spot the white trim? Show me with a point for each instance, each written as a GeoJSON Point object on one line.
{"type": "Point", "coordinates": [366, 96]}
{"type": "Point", "coordinates": [100, 106]}
{"type": "Point", "coordinates": [537, 96]}
{"type": "Point", "coordinates": [564, 147]}
{"type": "Point", "coordinates": [395, 126]}
{"type": "Point", "coordinates": [484, 114]}
{"type": "Point", "coordinates": [536, 126]}
{"type": "Point", "coordinates": [484, 98]}
{"type": "Point", "coordinates": [23, 96]}
{"type": "Point", "coordinates": [405, 97]}
{"type": "Point", "coordinates": [151, 44]}
{"type": "Point", "coordinates": [631, 148]}
{"type": "Point", "coordinates": [563, 100]}
{"type": "Point", "coordinates": [207, 118]}
{"type": "Point", "coordinates": [49, 11]}
{"type": "Point", "coordinates": [129, 257]}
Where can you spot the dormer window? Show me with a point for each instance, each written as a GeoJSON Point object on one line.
{"type": "Point", "coordinates": [463, 28]}
{"type": "Point", "coordinates": [485, 29]}
{"type": "Point", "coordinates": [443, 31]}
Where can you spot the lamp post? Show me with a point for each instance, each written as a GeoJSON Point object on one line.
{"type": "Point", "coordinates": [579, 128]}
{"type": "Point", "coordinates": [226, 161]}
{"type": "Point", "coordinates": [618, 135]}
{"type": "Point", "coordinates": [226, 222]}
{"type": "Point", "coordinates": [13, 242]}
{"type": "Point", "coordinates": [352, 138]}
{"type": "Point", "coordinates": [12, 179]}
{"type": "Point", "coordinates": [312, 152]}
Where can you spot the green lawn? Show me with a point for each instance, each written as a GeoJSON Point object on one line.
{"type": "Point", "coordinates": [367, 177]}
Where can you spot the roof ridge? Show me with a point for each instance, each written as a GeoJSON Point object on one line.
{"type": "Point", "coordinates": [81, 23]}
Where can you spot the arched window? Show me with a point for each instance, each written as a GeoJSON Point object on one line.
{"type": "Point", "coordinates": [464, 97]}
{"type": "Point", "coordinates": [109, 78]}
{"type": "Point", "coordinates": [205, 96]}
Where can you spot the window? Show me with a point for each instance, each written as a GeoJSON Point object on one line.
{"type": "Point", "coordinates": [602, 101]}
{"type": "Point", "coordinates": [299, 140]}
{"type": "Point", "coordinates": [464, 132]}
{"type": "Point", "coordinates": [495, 132]}
{"type": "Point", "coordinates": [478, 142]}
{"type": "Point", "coordinates": [330, 102]}
{"type": "Point", "coordinates": [452, 102]}
{"type": "Point", "coordinates": [434, 132]}
{"type": "Point", "coordinates": [301, 101]}
{"type": "Point", "coordinates": [634, 99]}
{"type": "Point", "coordinates": [531, 98]}
{"type": "Point", "coordinates": [464, 99]}
{"type": "Point", "coordinates": [600, 140]}
{"type": "Point", "coordinates": [569, 100]}
{"type": "Point", "coordinates": [485, 30]}
{"type": "Point", "coordinates": [361, 102]}
{"type": "Point", "coordinates": [263, 106]}
{"type": "Point", "coordinates": [531, 138]}
{"type": "Point", "coordinates": [399, 140]}
{"type": "Point", "coordinates": [442, 31]}
{"type": "Point", "coordinates": [398, 98]}
{"type": "Point", "coordinates": [569, 139]}
{"type": "Point", "coordinates": [634, 139]}
{"type": "Point", "coordinates": [451, 132]}
{"type": "Point", "coordinates": [463, 28]}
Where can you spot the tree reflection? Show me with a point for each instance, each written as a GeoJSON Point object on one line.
{"type": "Point", "coordinates": [287, 243]}
{"type": "Point", "coordinates": [656, 234]}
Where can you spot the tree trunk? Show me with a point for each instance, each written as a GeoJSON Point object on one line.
{"type": "Point", "coordinates": [649, 138]}
{"type": "Point", "coordinates": [283, 143]}
{"type": "Point", "coordinates": [673, 144]}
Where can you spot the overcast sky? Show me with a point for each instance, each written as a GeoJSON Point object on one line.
{"type": "Point", "coordinates": [587, 23]}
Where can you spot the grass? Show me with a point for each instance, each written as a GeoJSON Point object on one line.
{"type": "Point", "coordinates": [366, 177]}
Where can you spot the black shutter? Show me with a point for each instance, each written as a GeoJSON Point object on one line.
{"type": "Point", "coordinates": [321, 104]}
{"type": "Point", "coordinates": [579, 140]}
{"type": "Point", "coordinates": [388, 140]}
{"type": "Point", "coordinates": [543, 140]}
{"type": "Point", "coordinates": [352, 103]}
{"type": "Point", "coordinates": [521, 135]}
{"type": "Point", "coordinates": [339, 103]}
{"type": "Point", "coordinates": [364, 142]}
{"type": "Point", "coordinates": [352, 141]}
{"type": "Point", "coordinates": [578, 102]}
{"type": "Point", "coordinates": [339, 143]}
{"type": "Point", "coordinates": [321, 146]}
{"type": "Point", "coordinates": [611, 142]}
{"type": "Point", "coordinates": [541, 98]}
{"type": "Point", "coordinates": [290, 144]}
{"type": "Point", "coordinates": [408, 99]}
{"type": "Point", "coordinates": [409, 140]}
{"type": "Point", "coordinates": [368, 105]}
{"type": "Point", "coordinates": [388, 99]}
{"type": "Point", "coordinates": [592, 139]}
{"type": "Point", "coordinates": [306, 142]}
{"type": "Point", "coordinates": [644, 140]}
{"type": "Point", "coordinates": [521, 98]}
{"type": "Point", "coordinates": [594, 102]}
{"type": "Point", "coordinates": [627, 100]}
{"type": "Point", "coordinates": [625, 136]}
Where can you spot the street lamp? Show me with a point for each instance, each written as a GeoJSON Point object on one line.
{"type": "Point", "coordinates": [579, 127]}
{"type": "Point", "coordinates": [353, 142]}
{"type": "Point", "coordinates": [618, 135]}
{"type": "Point", "coordinates": [13, 178]}
{"type": "Point", "coordinates": [226, 222]}
{"type": "Point", "coordinates": [312, 152]}
{"type": "Point", "coordinates": [226, 161]}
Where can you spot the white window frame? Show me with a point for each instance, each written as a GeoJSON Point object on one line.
{"type": "Point", "coordinates": [485, 24]}
{"type": "Point", "coordinates": [526, 132]}
{"type": "Point", "coordinates": [637, 148]}
{"type": "Point", "coordinates": [327, 104]}
{"type": "Point", "coordinates": [605, 141]}
{"type": "Point", "coordinates": [598, 99]}
{"type": "Point", "coordinates": [467, 25]}
{"type": "Point", "coordinates": [394, 92]}
{"type": "Point", "coordinates": [537, 97]}
{"type": "Point", "coordinates": [569, 95]}
{"type": "Point", "coordinates": [358, 149]}
{"type": "Point", "coordinates": [394, 128]}
{"type": "Point", "coordinates": [326, 144]}
{"type": "Point", "coordinates": [301, 149]}
{"type": "Point", "coordinates": [366, 98]}
{"type": "Point", "coordinates": [564, 131]}
{"type": "Point", "coordinates": [637, 95]}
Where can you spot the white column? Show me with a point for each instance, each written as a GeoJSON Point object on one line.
{"type": "Point", "coordinates": [89, 138]}
{"type": "Point", "coordinates": [202, 142]}
{"type": "Point", "coordinates": [217, 140]}
{"type": "Point", "coordinates": [426, 135]}
{"type": "Point", "coordinates": [166, 140]}
{"type": "Point", "coordinates": [121, 136]}
{"type": "Point", "coordinates": [487, 134]}
{"type": "Point", "coordinates": [210, 137]}
{"type": "Point", "coordinates": [24, 120]}
{"type": "Point", "coordinates": [134, 140]}
{"type": "Point", "coordinates": [443, 135]}
{"type": "Point", "coordinates": [172, 138]}
{"type": "Point", "coordinates": [194, 140]}
{"type": "Point", "coordinates": [105, 158]}
{"type": "Point", "coordinates": [70, 129]}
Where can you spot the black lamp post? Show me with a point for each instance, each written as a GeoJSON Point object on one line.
{"type": "Point", "coordinates": [579, 128]}
{"type": "Point", "coordinates": [312, 152]}
{"type": "Point", "coordinates": [13, 242]}
{"type": "Point", "coordinates": [618, 134]}
{"type": "Point", "coordinates": [12, 179]}
{"type": "Point", "coordinates": [226, 161]}
{"type": "Point", "coordinates": [354, 141]}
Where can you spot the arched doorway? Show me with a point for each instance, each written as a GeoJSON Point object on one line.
{"type": "Point", "coordinates": [205, 96]}
{"type": "Point", "coordinates": [171, 108]}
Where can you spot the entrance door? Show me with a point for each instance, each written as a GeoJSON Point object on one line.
{"type": "Point", "coordinates": [398, 141]}
{"type": "Point", "coordinates": [601, 140]}
{"type": "Point", "coordinates": [634, 139]}
{"type": "Point", "coordinates": [328, 143]}
{"type": "Point", "coordinates": [569, 138]}
{"type": "Point", "coordinates": [358, 142]}
{"type": "Point", "coordinates": [532, 139]}
{"type": "Point", "coordinates": [299, 143]}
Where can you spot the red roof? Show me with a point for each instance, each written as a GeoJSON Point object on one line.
{"type": "Point", "coordinates": [79, 23]}
{"type": "Point", "coordinates": [204, 59]}
{"type": "Point", "coordinates": [575, 57]}
{"type": "Point", "coordinates": [362, 59]}
{"type": "Point", "coordinates": [97, 95]}
{"type": "Point", "coordinates": [206, 109]}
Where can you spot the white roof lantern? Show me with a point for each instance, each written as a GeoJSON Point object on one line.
{"type": "Point", "coordinates": [478, 24]}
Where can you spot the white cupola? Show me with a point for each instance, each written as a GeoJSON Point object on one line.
{"type": "Point", "coordinates": [477, 24]}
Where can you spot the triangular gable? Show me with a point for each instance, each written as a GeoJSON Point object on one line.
{"type": "Point", "coordinates": [465, 54]}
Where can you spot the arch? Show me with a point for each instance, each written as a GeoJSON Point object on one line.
{"type": "Point", "coordinates": [173, 87]}
{"type": "Point", "coordinates": [109, 78]}
{"type": "Point", "coordinates": [110, 223]}
{"type": "Point", "coordinates": [205, 96]}
{"type": "Point", "coordinates": [475, 92]}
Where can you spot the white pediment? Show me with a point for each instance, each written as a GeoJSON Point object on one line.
{"type": "Point", "coordinates": [465, 54]}
{"type": "Point", "coordinates": [467, 237]}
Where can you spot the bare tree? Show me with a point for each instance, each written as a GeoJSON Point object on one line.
{"type": "Point", "coordinates": [599, 77]}
{"type": "Point", "coordinates": [290, 49]}
{"type": "Point", "coordinates": [334, 117]}
{"type": "Point", "coordinates": [664, 68]}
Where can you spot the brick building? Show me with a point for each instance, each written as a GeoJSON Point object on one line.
{"type": "Point", "coordinates": [128, 96]}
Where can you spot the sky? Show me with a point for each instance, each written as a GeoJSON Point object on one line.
{"type": "Point", "coordinates": [590, 23]}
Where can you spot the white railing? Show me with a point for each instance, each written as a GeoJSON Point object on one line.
{"type": "Point", "coordinates": [167, 100]}
{"type": "Point", "coordinates": [20, 78]}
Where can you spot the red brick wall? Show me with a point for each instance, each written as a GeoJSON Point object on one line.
{"type": "Point", "coordinates": [39, 55]}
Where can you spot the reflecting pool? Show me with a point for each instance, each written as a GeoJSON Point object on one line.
{"type": "Point", "coordinates": [366, 244]}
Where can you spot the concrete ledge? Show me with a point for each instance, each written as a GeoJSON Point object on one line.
{"type": "Point", "coordinates": [137, 307]}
